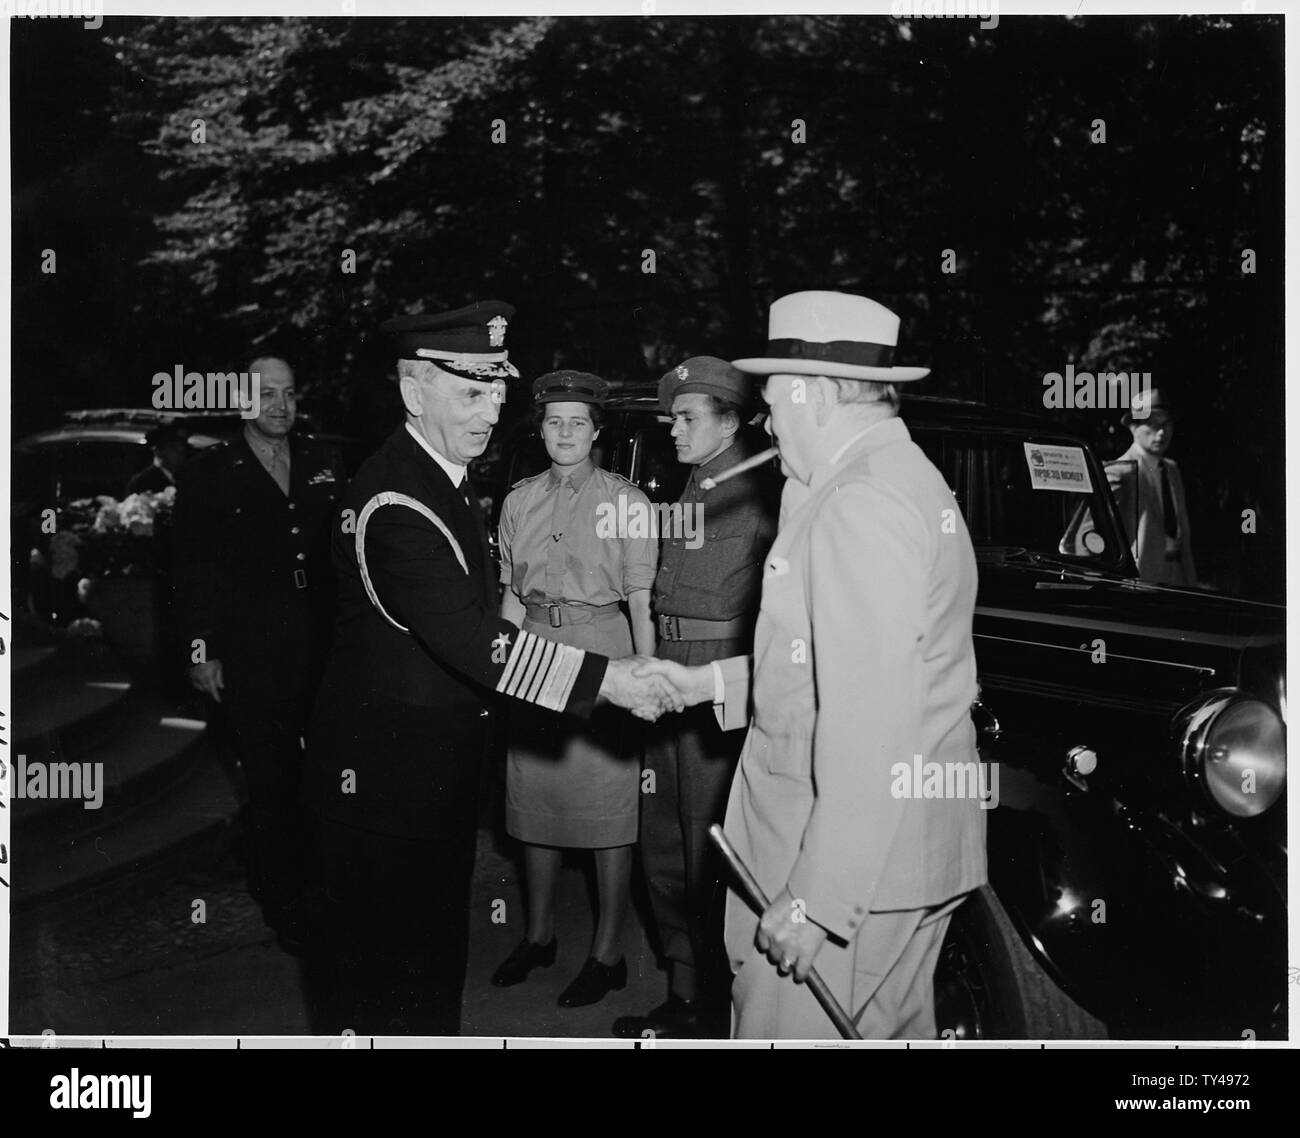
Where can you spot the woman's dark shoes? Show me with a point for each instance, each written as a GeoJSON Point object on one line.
{"type": "Point", "coordinates": [593, 983]}
{"type": "Point", "coordinates": [526, 956]}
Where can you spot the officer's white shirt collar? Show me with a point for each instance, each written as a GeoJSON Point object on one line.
{"type": "Point", "coordinates": [453, 471]}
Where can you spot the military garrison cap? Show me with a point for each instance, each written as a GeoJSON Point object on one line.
{"type": "Point", "coordinates": [707, 375]}
{"type": "Point", "coordinates": [570, 387]}
{"type": "Point", "coordinates": [469, 342]}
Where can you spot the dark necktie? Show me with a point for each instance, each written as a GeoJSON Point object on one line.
{"type": "Point", "coordinates": [1167, 502]}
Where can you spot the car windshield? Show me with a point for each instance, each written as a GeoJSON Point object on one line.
{"type": "Point", "coordinates": [1026, 495]}
{"type": "Point", "coordinates": [88, 467]}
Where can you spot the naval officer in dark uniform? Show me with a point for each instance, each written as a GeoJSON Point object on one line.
{"type": "Point", "coordinates": [705, 599]}
{"type": "Point", "coordinates": [254, 602]}
{"type": "Point", "coordinates": [419, 653]}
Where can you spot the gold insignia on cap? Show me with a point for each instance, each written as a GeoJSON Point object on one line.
{"type": "Point", "coordinates": [682, 373]}
{"type": "Point", "coordinates": [496, 331]}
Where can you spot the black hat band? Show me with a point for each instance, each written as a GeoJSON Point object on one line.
{"type": "Point", "coordinates": [854, 352]}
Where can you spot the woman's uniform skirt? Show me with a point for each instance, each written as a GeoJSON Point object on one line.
{"type": "Point", "coordinates": [571, 782]}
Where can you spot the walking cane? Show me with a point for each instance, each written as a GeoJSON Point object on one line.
{"type": "Point", "coordinates": [754, 897]}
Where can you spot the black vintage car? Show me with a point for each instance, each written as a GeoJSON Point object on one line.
{"type": "Point", "coordinates": [95, 452]}
{"type": "Point", "coordinates": [1137, 848]}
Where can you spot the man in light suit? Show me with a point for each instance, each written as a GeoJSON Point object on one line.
{"type": "Point", "coordinates": [863, 672]}
{"type": "Point", "coordinates": [1148, 489]}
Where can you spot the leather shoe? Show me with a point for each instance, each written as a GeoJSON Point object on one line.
{"type": "Point", "coordinates": [526, 956]}
{"type": "Point", "coordinates": [594, 982]}
{"type": "Point", "coordinates": [675, 1018]}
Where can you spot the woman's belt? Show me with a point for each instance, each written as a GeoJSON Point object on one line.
{"type": "Point", "coordinates": [692, 628]}
{"type": "Point", "coordinates": [558, 613]}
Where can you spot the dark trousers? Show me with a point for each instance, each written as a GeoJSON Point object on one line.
{"type": "Point", "coordinates": [394, 932]}
{"type": "Point", "coordinates": [693, 762]}
{"type": "Point", "coordinates": [267, 738]}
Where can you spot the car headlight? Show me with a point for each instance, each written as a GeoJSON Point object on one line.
{"type": "Point", "coordinates": [1234, 752]}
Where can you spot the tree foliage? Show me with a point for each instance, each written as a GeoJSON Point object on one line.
{"type": "Point", "coordinates": [542, 160]}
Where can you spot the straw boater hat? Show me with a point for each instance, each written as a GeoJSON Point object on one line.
{"type": "Point", "coordinates": [833, 334]}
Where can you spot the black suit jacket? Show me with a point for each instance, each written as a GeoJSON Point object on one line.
{"type": "Point", "coordinates": [419, 652]}
{"type": "Point", "coordinates": [253, 579]}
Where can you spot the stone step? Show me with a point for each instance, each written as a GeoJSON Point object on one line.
{"type": "Point", "coordinates": [32, 647]}
{"type": "Point", "coordinates": [31, 666]}
{"type": "Point", "coordinates": [149, 749]}
{"type": "Point", "coordinates": [76, 707]}
{"type": "Point", "coordinates": [190, 822]}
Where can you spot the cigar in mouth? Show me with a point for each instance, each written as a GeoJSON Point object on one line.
{"type": "Point", "coordinates": [739, 468]}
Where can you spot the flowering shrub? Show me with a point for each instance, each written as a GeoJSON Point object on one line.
{"type": "Point", "coordinates": [86, 628]}
{"type": "Point", "coordinates": [100, 537]}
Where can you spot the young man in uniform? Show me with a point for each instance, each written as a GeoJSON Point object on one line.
{"type": "Point", "coordinates": [705, 601]}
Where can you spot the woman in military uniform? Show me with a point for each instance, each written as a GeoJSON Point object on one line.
{"type": "Point", "coordinates": [568, 570]}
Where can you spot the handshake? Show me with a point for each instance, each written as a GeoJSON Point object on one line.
{"type": "Point", "coordinates": [648, 687]}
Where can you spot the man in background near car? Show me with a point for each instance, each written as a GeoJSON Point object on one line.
{"type": "Point", "coordinates": [167, 441]}
{"type": "Point", "coordinates": [705, 602]}
{"type": "Point", "coordinates": [1148, 489]}
{"type": "Point", "coordinates": [255, 600]}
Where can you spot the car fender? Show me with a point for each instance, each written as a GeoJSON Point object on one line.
{"type": "Point", "coordinates": [1114, 902]}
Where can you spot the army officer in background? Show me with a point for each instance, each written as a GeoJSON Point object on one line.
{"type": "Point", "coordinates": [567, 572]}
{"type": "Point", "coordinates": [254, 599]}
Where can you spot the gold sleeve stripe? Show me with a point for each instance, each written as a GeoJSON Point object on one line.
{"type": "Point", "coordinates": [543, 666]}
{"type": "Point", "coordinates": [541, 671]}
{"type": "Point", "coordinates": [516, 651]}
{"type": "Point", "coordinates": [524, 677]}
{"type": "Point", "coordinates": [527, 645]}
{"type": "Point", "coordinates": [561, 677]}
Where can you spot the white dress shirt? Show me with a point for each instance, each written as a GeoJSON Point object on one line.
{"type": "Point", "coordinates": [453, 470]}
